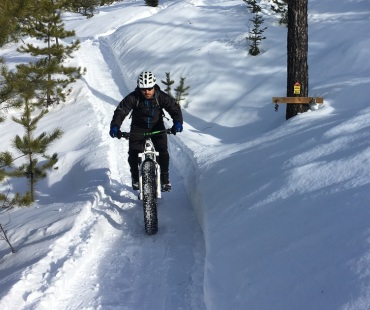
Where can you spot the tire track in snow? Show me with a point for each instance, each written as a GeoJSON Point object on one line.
{"type": "Point", "coordinates": [43, 281]}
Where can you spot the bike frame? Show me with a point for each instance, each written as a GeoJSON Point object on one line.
{"type": "Point", "coordinates": [151, 154]}
{"type": "Point", "coordinates": [149, 173]}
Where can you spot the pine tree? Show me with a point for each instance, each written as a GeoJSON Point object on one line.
{"type": "Point", "coordinates": [43, 79]}
{"type": "Point", "coordinates": [30, 147]}
{"type": "Point", "coordinates": [33, 149]}
{"type": "Point", "coordinates": [181, 91]}
{"type": "Point", "coordinates": [255, 35]}
{"type": "Point", "coordinates": [168, 83]}
{"type": "Point", "coordinates": [48, 72]}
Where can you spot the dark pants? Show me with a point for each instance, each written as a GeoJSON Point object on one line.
{"type": "Point", "coordinates": [136, 146]}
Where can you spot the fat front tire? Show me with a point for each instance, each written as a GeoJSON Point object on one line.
{"type": "Point", "coordinates": [149, 197]}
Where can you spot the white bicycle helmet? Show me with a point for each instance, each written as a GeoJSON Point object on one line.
{"type": "Point", "coordinates": [146, 79]}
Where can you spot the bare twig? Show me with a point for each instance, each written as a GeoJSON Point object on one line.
{"type": "Point", "coordinates": [3, 236]}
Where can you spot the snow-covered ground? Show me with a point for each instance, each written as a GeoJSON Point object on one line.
{"type": "Point", "coordinates": [264, 213]}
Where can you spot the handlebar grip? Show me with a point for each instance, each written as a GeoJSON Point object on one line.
{"type": "Point", "coordinates": [121, 134]}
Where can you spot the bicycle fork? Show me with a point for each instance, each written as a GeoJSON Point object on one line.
{"type": "Point", "coordinates": [149, 154]}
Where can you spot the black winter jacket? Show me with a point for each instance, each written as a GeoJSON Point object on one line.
{"type": "Point", "coordinates": [146, 113]}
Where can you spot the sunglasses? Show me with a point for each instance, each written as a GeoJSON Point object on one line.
{"type": "Point", "coordinates": [149, 89]}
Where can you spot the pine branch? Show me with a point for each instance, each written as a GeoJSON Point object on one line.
{"type": "Point", "coordinates": [6, 159]}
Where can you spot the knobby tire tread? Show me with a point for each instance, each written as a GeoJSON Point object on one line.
{"type": "Point", "coordinates": [149, 197]}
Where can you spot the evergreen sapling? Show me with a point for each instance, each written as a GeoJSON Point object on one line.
{"type": "Point", "coordinates": [168, 83]}
{"type": "Point", "coordinates": [181, 91]}
{"type": "Point", "coordinates": [33, 148]}
{"type": "Point", "coordinates": [255, 35]}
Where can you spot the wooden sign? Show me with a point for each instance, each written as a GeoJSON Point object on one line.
{"type": "Point", "coordinates": [297, 100]}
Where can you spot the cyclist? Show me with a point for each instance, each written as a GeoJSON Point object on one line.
{"type": "Point", "coordinates": [146, 103]}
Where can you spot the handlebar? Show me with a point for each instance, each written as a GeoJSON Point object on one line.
{"type": "Point", "coordinates": [126, 135]}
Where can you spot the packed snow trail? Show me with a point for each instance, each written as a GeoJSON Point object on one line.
{"type": "Point", "coordinates": [136, 271]}
{"type": "Point", "coordinates": [106, 261]}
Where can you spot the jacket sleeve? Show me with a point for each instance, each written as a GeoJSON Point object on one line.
{"type": "Point", "coordinates": [169, 104]}
{"type": "Point", "coordinates": [123, 109]}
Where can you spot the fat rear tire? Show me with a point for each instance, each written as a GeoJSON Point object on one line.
{"type": "Point", "coordinates": [149, 197]}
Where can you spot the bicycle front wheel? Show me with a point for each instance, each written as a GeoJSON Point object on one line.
{"type": "Point", "coordinates": [149, 188]}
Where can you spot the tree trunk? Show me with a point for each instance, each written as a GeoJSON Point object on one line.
{"type": "Point", "coordinates": [297, 54]}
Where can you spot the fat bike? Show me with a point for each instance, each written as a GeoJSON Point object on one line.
{"type": "Point", "coordinates": [149, 179]}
